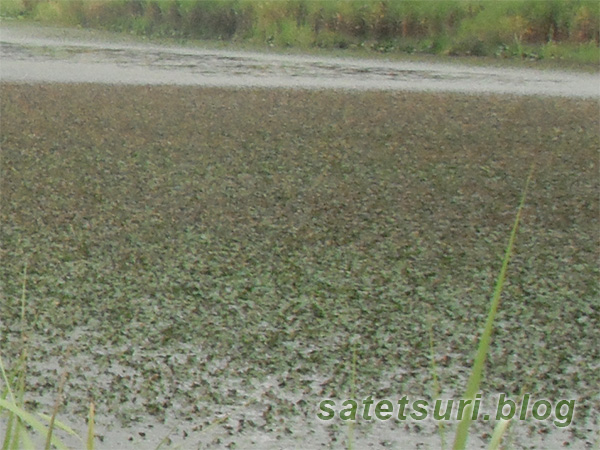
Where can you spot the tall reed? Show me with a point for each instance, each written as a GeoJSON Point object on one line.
{"type": "Point", "coordinates": [474, 383]}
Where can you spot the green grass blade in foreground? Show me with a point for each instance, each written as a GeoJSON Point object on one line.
{"type": "Point", "coordinates": [25, 417]}
{"type": "Point", "coordinates": [30, 420]}
{"type": "Point", "coordinates": [474, 382]}
{"type": "Point", "coordinates": [499, 431]}
{"type": "Point", "coordinates": [22, 440]}
{"type": "Point", "coordinates": [60, 425]}
{"type": "Point", "coordinates": [18, 416]}
{"type": "Point", "coordinates": [57, 403]}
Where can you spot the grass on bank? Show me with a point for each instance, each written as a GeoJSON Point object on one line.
{"type": "Point", "coordinates": [563, 30]}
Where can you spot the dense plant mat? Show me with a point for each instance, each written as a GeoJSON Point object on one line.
{"type": "Point", "coordinates": [185, 246]}
{"type": "Point", "coordinates": [565, 30]}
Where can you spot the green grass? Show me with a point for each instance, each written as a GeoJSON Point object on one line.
{"type": "Point", "coordinates": [474, 383]}
{"type": "Point", "coordinates": [457, 28]}
{"type": "Point", "coordinates": [19, 421]}
{"type": "Point", "coordinates": [231, 238]}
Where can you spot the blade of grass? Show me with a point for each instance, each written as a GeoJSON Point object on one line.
{"type": "Point", "coordinates": [20, 430]}
{"type": "Point", "coordinates": [30, 420]}
{"type": "Point", "coordinates": [474, 382]}
{"type": "Point", "coordinates": [90, 433]}
{"type": "Point", "coordinates": [10, 424]}
{"type": "Point", "coordinates": [22, 440]}
{"type": "Point", "coordinates": [17, 436]}
{"type": "Point", "coordinates": [498, 434]}
{"type": "Point", "coordinates": [60, 425]}
{"type": "Point", "coordinates": [61, 386]}
{"type": "Point", "coordinates": [5, 378]}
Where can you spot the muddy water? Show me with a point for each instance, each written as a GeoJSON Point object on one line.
{"type": "Point", "coordinates": [32, 54]}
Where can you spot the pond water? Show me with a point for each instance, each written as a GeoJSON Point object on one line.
{"type": "Point", "coordinates": [32, 54]}
{"type": "Point", "coordinates": [40, 55]}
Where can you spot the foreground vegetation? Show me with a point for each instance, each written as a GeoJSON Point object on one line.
{"type": "Point", "coordinates": [188, 246]}
{"type": "Point", "coordinates": [566, 30]}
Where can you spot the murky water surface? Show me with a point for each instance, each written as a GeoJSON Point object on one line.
{"type": "Point", "coordinates": [35, 55]}
{"type": "Point", "coordinates": [32, 55]}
